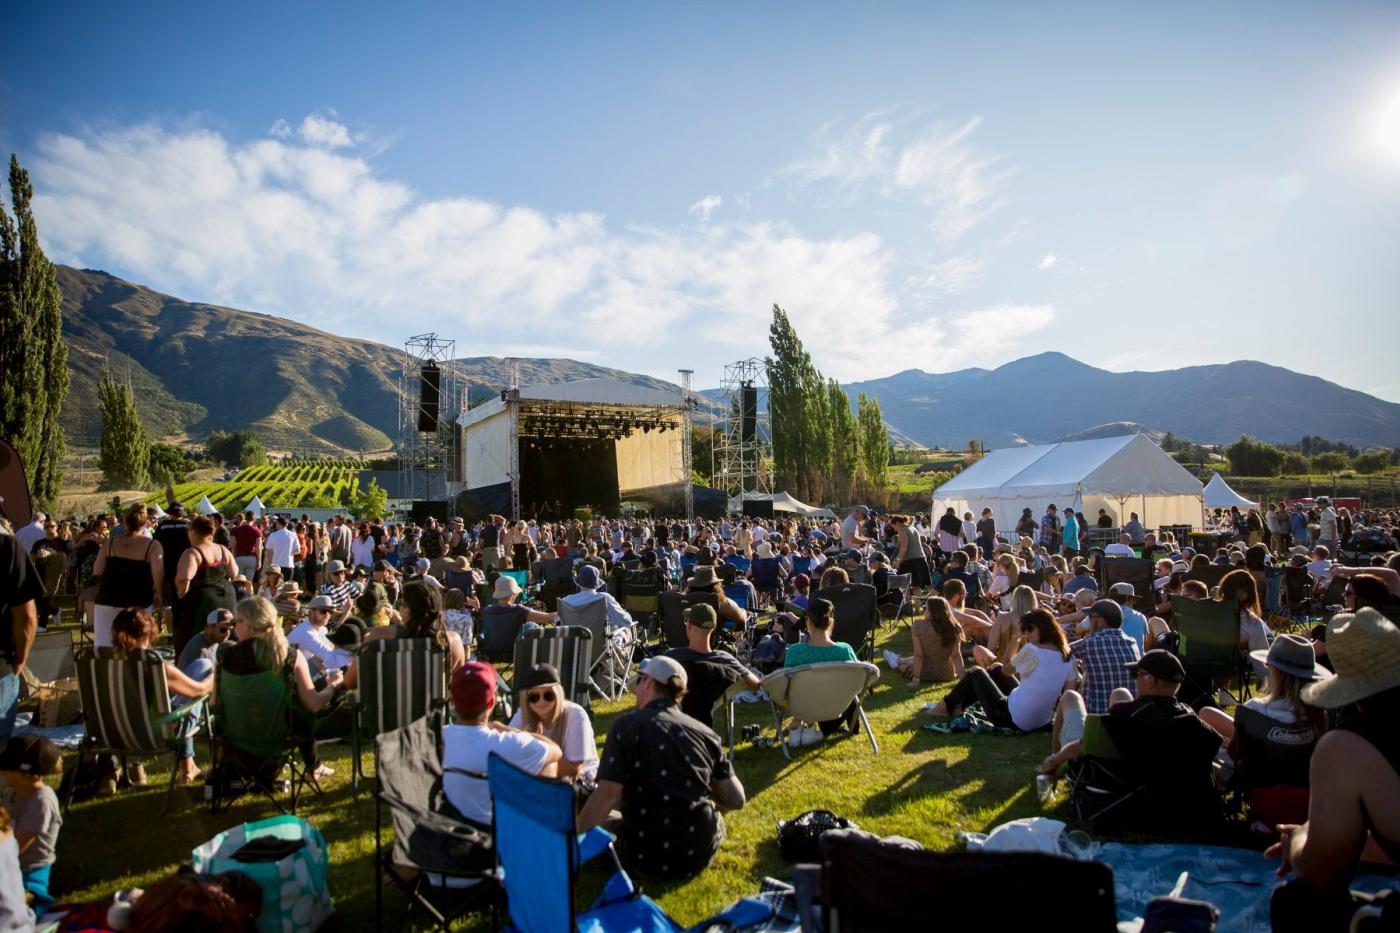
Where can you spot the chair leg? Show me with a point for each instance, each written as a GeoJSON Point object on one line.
{"type": "Point", "coordinates": [170, 791]}
{"type": "Point", "coordinates": [733, 708]}
{"type": "Point", "coordinates": [355, 758]}
{"type": "Point", "coordinates": [870, 733]}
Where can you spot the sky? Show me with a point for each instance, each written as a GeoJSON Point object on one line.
{"type": "Point", "coordinates": [922, 185]}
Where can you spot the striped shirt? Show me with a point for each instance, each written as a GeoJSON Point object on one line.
{"type": "Point", "coordinates": [341, 593]}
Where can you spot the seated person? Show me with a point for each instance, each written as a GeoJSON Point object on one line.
{"type": "Point", "coordinates": [708, 673]}
{"type": "Point", "coordinates": [669, 775]}
{"type": "Point", "coordinates": [1174, 754]}
{"type": "Point", "coordinates": [1278, 797]}
{"type": "Point", "coordinates": [974, 622]}
{"type": "Point", "coordinates": [1239, 585]}
{"type": "Point", "coordinates": [801, 590]}
{"type": "Point", "coordinates": [1354, 810]}
{"type": "Point", "coordinates": [289, 607]}
{"type": "Point", "coordinates": [706, 580]}
{"type": "Point", "coordinates": [310, 638]}
{"type": "Point", "coordinates": [475, 736]}
{"type": "Point", "coordinates": [879, 566]}
{"type": "Point", "coordinates": [460, 576]}
{"type": "Point", "coordinates": [218, 626]}
{"type": "Point", "coordinates": [1075, 621]}
{"type": "Point", "coordinates": [1081, 577]}
{"type": "Point", "coordinates": [1122, 548]}
{"type": "Point", "coordinates": [937, 654]}
{"type": "Point", "coordinates": [1143, 630]}
{"type": "Point", "coordinates": [340, 590]}
{"type": "Point", "coordinates": [1025, 700]}
{"type": "Point", "coordinates": [1001, 638]}
{"type": "Point", "coordinates": [507, 611]}
{"type": "Point", "coordinates": [543, 710]}
{"type": "Point", "coordinates": [766, 573]}
{"type": "Point", "coordinates": [819, 648]}
{"type": "Point", "coordinates": [619, 619]}
{"type": "Point", "coordinates": [1320, 567]}
{"type": "Point", "coordinates": [1104, 655]}
{"type": "Point", "coordinates": [261, 648]}
{"type": "Point", "coordinates": [33, 813]}
{"type": "Point", "coordinates": [456, 615]}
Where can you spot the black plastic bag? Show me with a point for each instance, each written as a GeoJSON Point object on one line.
{"type": "Point", "coordinates": [799, 838]}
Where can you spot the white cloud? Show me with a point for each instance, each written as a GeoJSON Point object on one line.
{"type": "Point", "coordinates": [893, 153]}
{"type": "Point", "coordinates": [296, 225]}
{"type": "Point", "coordinates": [1048, 261]}
{"type": "Point", "coordinates": [281, 129]}
{"type": "Point", "coordinates": [706, 206]}
{"type": "Point", "coordinates": [317, 130]}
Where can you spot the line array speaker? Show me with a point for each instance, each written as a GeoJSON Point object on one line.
{"type": "Point", "coordinates": [748, 417]}
{"type": "Point", "coordinates": [429, 389]}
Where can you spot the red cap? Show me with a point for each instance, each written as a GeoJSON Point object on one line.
{"type": "Point", "coordinates": [473, 688]}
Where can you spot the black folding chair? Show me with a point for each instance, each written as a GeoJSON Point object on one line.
{"type": "Point", "coordinates": [857, 612]}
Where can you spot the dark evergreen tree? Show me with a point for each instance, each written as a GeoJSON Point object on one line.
{"type": "Point", "coordinates": [126, 449]}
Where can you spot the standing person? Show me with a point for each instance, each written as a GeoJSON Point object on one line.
{"type": "Point", "coordinates": [669, 775]}
{"type": "Point", "coordinates": [362, 548]}
{"type": "Point", "coordinates": [173, 535]}
{"type": "Point", "coordinates": [203, 582]}
{"type": "Point", "coordinates": [339, 535]}
{"type": "Point", "coordinates": [910, 557]}
{"type": "Point", "coordinates": [1071, 541]}
{"type": "Point", "coordinates": [20, 589]}
{"type": "Point", "coordinates": [1327, 525]}
{"type": "Point", "coordinates": [987, 532]}
{"type": "Point", "coordinates": [131, 572]}
{"type": "Point", "coordinates": [851, 537]}
{"type": "Point", "coordinates": [282, 548]}
{"type": "Point", "coordinates": [1050, 530]}
{"type": "Point", "coordinates": [491, 542]}
{"type": "Point", "coordinates": [949, 531]}
{"type": "Point", "coordinates": [247, 545]}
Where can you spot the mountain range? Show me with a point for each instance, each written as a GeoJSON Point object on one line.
{"type": "Point", "coordinates": [198, 367]}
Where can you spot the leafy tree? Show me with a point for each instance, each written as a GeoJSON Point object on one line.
{"type": "Point", "coordinates": [1373, 462]}
{"type": "Point", "coordinates": [792, 382]}
{"type": "Point", "coordinates": [237, 448]}
{"type": "Point", "coordinates": [1330, 463]}
{"type": "Point", "coordinates": [1251, 458]}
{"type": "Point", "coordinates": [126, 449]}
{"type": "Point", "coordinates": [874, 441]}
{"type": "Point", "coordinates": [845, 443]}
{"type": "Point", "coordinates": [169, 464]}
{"type": "Point", "coordinates": [1294, 463]}
{"type": "Point", "coordinates": [33, 356]}
{"type": "Point", "coordinates": [370, 501]}
{"type": "Point", "coordinates": [702, 445]}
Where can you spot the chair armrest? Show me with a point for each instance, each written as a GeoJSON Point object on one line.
{"type": "Point", "coordinates": [436, 822]}
{"type": "Point", "coordinates": [593, 843]}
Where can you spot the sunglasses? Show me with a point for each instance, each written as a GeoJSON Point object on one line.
{"type": "Point", "coordinates": [539, 697]}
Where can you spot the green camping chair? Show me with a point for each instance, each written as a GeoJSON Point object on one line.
{"type": "Point", "coordinates": [401, 681]}
{"type": "Point", "coordinates": [126, 711]}
{"type": "Point", "coordinates": [255, 735]}
{"type": "Point", "coordinates": [1208, 644]}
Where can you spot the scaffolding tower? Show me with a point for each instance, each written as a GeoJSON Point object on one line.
{"type": "Point", "coordinates": [686, 441]}
{"type": "Point", "coordinates": [428, 447]}
{"type": "Point", "coordinates": [740, 452]}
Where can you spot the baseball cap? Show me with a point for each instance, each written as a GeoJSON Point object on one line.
{"type": "Point", "coordinates": [663, 669]}
{"type": "Point", "coordinates": [219, 617]}
{"type": "Point", "coordinates": [1109, 610]}
{"type": "Point", "coordinates": [587, 577]}
{"type": "Point", "coordinates": [853, 554]}
{"type": "Point", "coordinates": [878, 557]}
{"type": "Point", "coordinates": [1160, 664]}
{"type": "Point", "coordinates": [701, 615]}
{"type": "Point", "coordinates": [537, 675]}
{"type": "Point", "coordinates": [321, 602]}
{"type": "Point", "coordinates": [1122, 588]}
{"type": "Point", "coordinates": [384, 565]}
{"type": "Point", "coordinates": [473, 688]}
{"type": "Point", "coordinates": [423, 563]}
{"type": "Point", "coordinates": [30, 754]}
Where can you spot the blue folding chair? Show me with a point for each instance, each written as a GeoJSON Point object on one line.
{"type": "Point", "coordinates": [738, 562]}
{"type": "Point", "coordinates": [739, 594]}
{"type": "Point", "coordinates": [539, 850]}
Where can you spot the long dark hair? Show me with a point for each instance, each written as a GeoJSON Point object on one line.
{"type": "Point", "coordinates": [423, 616]}
{"type": "Point", "coordinates": [132, 630]}
{"type": "Point", "coordinates": [1048, 631]}
{"type": "Point", "coordinates": [1233, 583]}
{"type": "Point", "coordinates": [939, 613]}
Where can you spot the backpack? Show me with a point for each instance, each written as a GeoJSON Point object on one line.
{"type": "Point", "coordinates": [768, 654]}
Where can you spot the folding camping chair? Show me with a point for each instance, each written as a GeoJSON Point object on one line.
{"type": "Point", "coordinates": [254, 737]}
{"type": "Point", "coordinates": [568, 648]}
{"type": "Point", "coordinates": [673, 607]}
{"type": "Point", "coordinates": [127, 711]}
{"type": "Point", "coordinates": [401, 681]}
{"type": "Point", "coordinates": [897, 598]}
{"type": "Point", "coordinates": [521, 577]}
{"type": "Point", "coordinates": [869, 884]}
{"type": "Point", "coordinates": [739, 563]}
{"type": "Point", "coordinates": [453, 860]}
{"type": "Point", "coordinates": [540, 851]}
{"type": "Point", "coordinates": [1139, 571]}
{"type": "Point", "coordinates": [738, 593]}
{"type": "Point", "coordinates": [609, 661]}
{"type": "Point", "coordinates": [820, 692]}
{"type": "Point", "coordinates": [558, 573]}
{"type": "Point", "coordinates": [1209, 574]}
{"type": "Point", "coordinates": [50, 659]}
{"type": "Point", "coordinates": [1208, 644]}
{"type": "Point", "coordinates": [1273, 761]}
{"type": "Point", "coordinates": [640, 592]}
{"type": "Point", "coordinates": [857, 616]}
{"type": "Point", "coordinates": [497, 633]}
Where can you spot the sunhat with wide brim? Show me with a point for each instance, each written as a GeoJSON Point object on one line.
{"type": "Point", "coordinates": [506, 587]}
{"type": "Point", "coordinates": [1292, 654]}
{"type": "Point", "coordinates": [1365, 650]}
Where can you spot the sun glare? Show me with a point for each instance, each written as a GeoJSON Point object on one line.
{"type": "Point", "coordinates": [1385, 130]}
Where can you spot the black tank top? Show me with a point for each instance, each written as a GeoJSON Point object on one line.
{"type": "Point", "coordinates": [1377, 726]}
{"type": "Point", "coordinates": [126, 581]}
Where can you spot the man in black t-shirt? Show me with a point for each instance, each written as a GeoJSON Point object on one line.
{"type": "Point", "coordinates": [708, 673]}
{"type": "Point", "coordinates": [20, 588]}
{"type": "Point", "coordinates": [173, 533]}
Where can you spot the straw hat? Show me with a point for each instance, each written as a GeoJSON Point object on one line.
{"type": "Point", "coordinates": [1365, 649]}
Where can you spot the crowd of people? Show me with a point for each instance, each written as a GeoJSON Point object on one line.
{"type": "Point", "coordinates": [1013, 619]}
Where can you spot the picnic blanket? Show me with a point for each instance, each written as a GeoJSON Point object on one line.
{"type": "Point", "coordinates": [1238, 881]}
{"type": "Point", "coordinates": [69, 737]}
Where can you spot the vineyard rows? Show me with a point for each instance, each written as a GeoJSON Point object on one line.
{"type": "Point", "coordinates": [312, 484]}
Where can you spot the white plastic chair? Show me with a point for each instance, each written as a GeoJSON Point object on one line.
{"type": "Point", "coordinates": [818, 692]}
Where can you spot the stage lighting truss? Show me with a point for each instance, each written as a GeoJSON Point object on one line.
{"type": "Point", "coordinates": [592, 423]}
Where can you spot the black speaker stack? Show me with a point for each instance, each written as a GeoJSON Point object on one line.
{"type": "Point", "coordinates": [430, 386]}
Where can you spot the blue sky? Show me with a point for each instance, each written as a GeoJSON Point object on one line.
{"type": "Point", "coordinates": [921, 185]}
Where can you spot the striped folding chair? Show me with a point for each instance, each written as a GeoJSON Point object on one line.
{"type": "Point", "coordinates": [401, 681]}
{"type": "Point", "coordinates": [568, 648]}
{"type": "Point", "coordinates": [126, 710]}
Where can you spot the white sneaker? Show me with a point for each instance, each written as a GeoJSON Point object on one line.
{"type": "Point", "coordinates": [891, 659]}
{"type": "Point", "coordinates": [796, 736]}
{"type": "Point", "coordinates": [812, 736]}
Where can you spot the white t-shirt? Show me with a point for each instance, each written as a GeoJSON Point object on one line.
{"type": "Point", "coordinates": [312, 642]}
{"type": "Point", "coordinates": [1321, 569]}
{"type": "Point", "coordinates": [468, 748]}
{"type": "Point", "coordinates": [1043, 672]}
{"type": "Point", "coordinates": [1279, 710]}
{"type": "Point", "coordinates": [573, 732]}
{"type": "Point", "coordinates": [362, 552]}
{"type": "Point", "coordinates": [849, 529]}
{"type": "Point", "coordinates": [284, 547]}
{"type": "Point", "coordinates": [1119, 550]}
{"type": "Point", "coordinates": [1327, 524]}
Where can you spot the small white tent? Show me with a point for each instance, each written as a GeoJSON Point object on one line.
{"type": "Point", "coordinates": [1219, 495]}
{"type": "Point", "coordinates": [256, 507]}
{"type": "Point", "coordinates": [782, 502]}
{"type": "Point", "coordinates": [1117, 474]}
{"type": "Point", "coordinates": [159, 512]}
{"type": "Point", "coordinates": [204, 506]}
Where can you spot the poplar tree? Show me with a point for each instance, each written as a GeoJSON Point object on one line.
{"type": "Point", "coordinates": [33, 356]}
{"type": "Point", "coordinates": [791, 381]}
{"type": "Point", "coordinates": [126, 449]}
{"type": "Point", "coordinates": [874, 441]}
{"type": "Point", "coordinates": [845, 445]}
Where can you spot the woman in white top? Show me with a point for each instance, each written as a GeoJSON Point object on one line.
{"type": "Point", "coordinates": [1004, 579]}
{"type": "Point", "coordinates": [1239, 585]}
{"type": "Point", "coordinates": [543, 710]}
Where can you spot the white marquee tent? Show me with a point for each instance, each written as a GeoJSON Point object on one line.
{"type": "Point", "coordinates": [204, 506]}
{"type": "Point", "coordinates": [1117, 474]}
{"type": "Point", "coordinates": [1219, 495]}
{"type": "Point", "coordinates": [256, 507]}
{"type": "Point", "coordinates": [782, 502]}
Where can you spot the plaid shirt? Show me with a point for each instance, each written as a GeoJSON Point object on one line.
{"type": "Point", "coordinates": [1049, 529]}
{"type": "Point", "coordinates": [1106, 654]}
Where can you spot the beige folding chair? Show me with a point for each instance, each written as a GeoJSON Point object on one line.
{"type": "Point", "coordinates": [818, 692]}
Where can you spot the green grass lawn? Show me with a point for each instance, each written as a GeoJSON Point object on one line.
{"type": "Point", "coordinates": [921, 785]}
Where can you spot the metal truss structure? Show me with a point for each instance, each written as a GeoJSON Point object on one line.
{"type": "Point", "coordinates": [738, 463]}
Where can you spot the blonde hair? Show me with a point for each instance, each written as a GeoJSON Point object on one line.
{"type": "Point", "coordinates": [528, 719]}
{"type": "Point", "coordinates": [1023, 601]}
{"type": "Point", "coordinates": [261, 616]}
{"type": "Point", "coordinates": [1084, 598]}
{"type": "Point", "coordinates": [1013, 572]}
